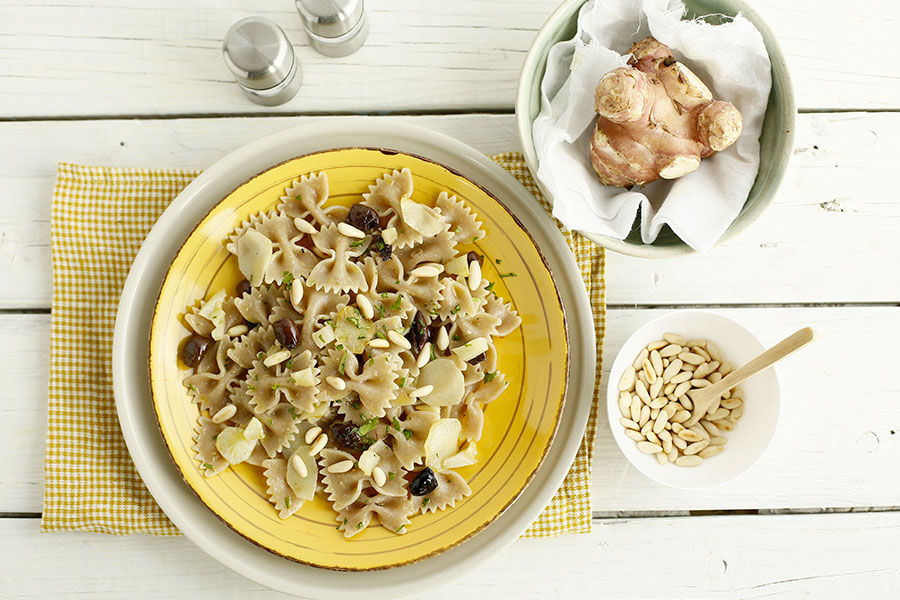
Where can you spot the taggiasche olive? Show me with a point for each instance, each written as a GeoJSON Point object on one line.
{"type": "Point", "coordinates": [243, 287]}
{"type": "Point", "coordinates": [194, 350]}
{"type": "Point", "coordinates": [380, 246]}
{"type": "Point", "coordinates": [477, 359]}
{"type": "Point", "coordinates": [347, 435]}
{"type": "Point", "coordinates": [424, 483]}
{"type": "Point", "coordinates": [363, 218]}
{"type": "Point", "coordinates": [287, 333]}
{"type": "Point", "coordinates": [418, 333]}
{"type": "Point", "coordinates": [472, 255]}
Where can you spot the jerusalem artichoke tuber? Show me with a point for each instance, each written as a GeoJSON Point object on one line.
{"type": "Point", "coordinates": [656, 120]}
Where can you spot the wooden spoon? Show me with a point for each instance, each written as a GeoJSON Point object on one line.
{"type": "Point", "coordinates": [704, 398]}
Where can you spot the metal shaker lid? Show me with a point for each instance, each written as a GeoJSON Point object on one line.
{"type": "Point", "coordinates": [258, 53]}
{"type": "Point", "coordinates": [330, 18]}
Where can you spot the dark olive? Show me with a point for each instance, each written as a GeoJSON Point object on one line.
{"type": "Point", "coordinates": [287, 333]}
{"type": "Point", "coordinates": [194, 349]}
{"type": "Point", "coordinates": [477, 359]}
{"type": "Point", "coordinates": [472, 255]}
{"type": "Point", "coordinates": [418, 333]}
{"type": "Point", "coordinates": [243, 287]}
{"type": "Point", "coordinates": [424, 483]}
{"type": "Point", "coordinates": [347, 435]}
{"type": "Point", "coordinates": [363, 218]}
{"type": "Point", "coordinates": [378, 245]}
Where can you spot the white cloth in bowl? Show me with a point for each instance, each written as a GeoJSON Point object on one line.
{"type": "Point", "coordinates": [730, 58]}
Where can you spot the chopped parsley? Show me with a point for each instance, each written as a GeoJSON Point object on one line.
{"type": "Point", "coordinates": [356, 405]}
{"type": "Point", "coordinates": [260, 354]}
{"type": "Point", "coordinates": [294, 414]}
{"type": "Point", "coordinates": [275, 386]}
{"type": "Point", "coordinates": [396, 424]}
{"type": "Point", "coordinates": [287, 278]}
{"type": "Point", "coordinates": [407, 433]}
{"type": "Point", "coordinates": [385, 294]}
{"type": "Point", "coordinates": [251, 387]}
{"type": "Point", "coordinates": [498, 260]}
{"type": "Point", "coordinates": [402, 382]}
{"type": "Point", "coordinates": [357, 243]}
{"type": "Point", "coordinates": [207, 466]}
{"type": "Point", "coordinates": [489, 377]}
{"type": "Point", "coordinates": [391, 476]}
{"type": "Point", "coordinates": [456, 309]}
{"type": "Point", "coordinates": [338, 346]}
{"type": "Point", "coordinates": [381, 334]}
{"type": "Point", "coordinates": [343, 363]}
{"type": "Point", "coordinates": [359, 525]}
{"type": "Point", "coordinates": [290, 362]}
{"type": "Point", "coordinates": [345, 520]}
{"type": "Point", "coordinates": [474, 238]}
{"type": "Point", "coordinates": [433, 354]}
{"type": "Point", "coordinates": [368, 426]}
{"type": "Point", "coordinates": [490, 286]}
{"type": "Point", "coordinates": [399, 529]}
{"type": "Point", "coordinates": [509, 275]}
{"type": "Point", "coordinates": [380, 309]}
{"type": "Point", "coordinates": [426, 501]}
{"type": "Point", "coordinates": [287, 502]}
{"type": "Point", "coordinates": [458, 229]}
{"type": "Point", "coordinates": [193, 388]}
{"type": "Point", "coordinates": [397, 302]}
{"type": "Point", "coordinates": [456, 338]}
{"type": "Point", "coordinates": [355, 321]}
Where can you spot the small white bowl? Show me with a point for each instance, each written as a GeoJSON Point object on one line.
{"type": "Point", "coordinates": [762, 399]}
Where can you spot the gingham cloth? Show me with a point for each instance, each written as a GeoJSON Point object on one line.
{"type": "Point", "coordinates": [99, 219]}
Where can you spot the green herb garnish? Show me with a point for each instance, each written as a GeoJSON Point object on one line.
{"type": "Point", "coordinates": [391, 475]}
{"type": "Point", "coordinates": [426, 501]}
{"type": "Point", "coordinates": [287, 502]}
{"type": "Point", "coordinates": [489, 377]}
{"type": "Point", "coordinates": [509, 275]}
{"type": "Point", "coordinates": [402, 382]}
{"type": "Point", "coordinates": [287, 278]}
{"type": "Point", "coordinates": [207, 466]}
{"type": "Point", "coordinates": [407, 433]}
{"type": "Point", "coordinates": [343, 362]}
{"type": "Point", "coordinates": [397, 302]}
{"type": "Point", "coordinates": [396, 424]}
{"type": "Point", "coordinates": [275, 386]}
{"type": "Point", "coordinates": [368, 426]}
{"type": "Point", "coordinates": [357, 243]}
{"type": "Point", "coordinates": [294, 414]}
{"type": "Point", "coordinates": [490, 286]}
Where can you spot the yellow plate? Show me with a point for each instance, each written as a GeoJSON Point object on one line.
{"type": "Point", "coordinates": [519, 426]}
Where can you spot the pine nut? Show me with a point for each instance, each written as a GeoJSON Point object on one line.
{"type": "Point", "coordinates": [698, 343]}
{"type": "Point", "coordinates": [238, 330]}
{"type": "Point", "coordinates": [714, 366]}
{"type": "Point", "coordinates": [688, 461]}
{"type": "Point", "coordinates": [737, 393]}
{"type": "Point", "coordinates": [686, 402]}
{"type": "Point", "coordinates": [224, 413]}
{"type": "Point", "coordinates": [424, 355]}
{"type": "Point", "coordinates": [679, 443]}
{"type": "Point", "coordinates": [726, 425]}
{"type": "Point", "coordinates": [647, 428]}
{"type": "Point", "coordinates": [670, 409]}
{"type": "Point", "coordinates": [296, 293]}
{"type": "Point", "coordinates": [639, 361]}
{"type": "Point", "coordinates": [641, 391]}
{"type": "Point", "coordinates": [711, 428]}
{"type": "Point", "coordinates": [701, 352]}
{"type": "Point", "coordinates": [681, 389]}
{"type": "Point", "coordinates": [642, 377]}
{"type": "Point", "coordinates": [681, 377]}
{"type": "Point", "coordinates": [666, 439]}
{"type": "Point", "coordinates": [691, 358]}
{"type": "Point", "coordinates": [474, 275]}
{"type": "Point", "coordinates": [677, 427]}
{"type": "Point", "coordinates": [665, 363]}
{"type": "Point", "coordinates": [674, 338]}
{"type": "Point", "coordinates": [312, 434]}
{"type": "Point", "coordinates": [626, 382]}
{"type": "Point", "coordinates": [737, 413]}
{"type": "Point", "coordinates": [700, 383]}
{"type": "Point", "coordinates": [699, 430]}
{"type": "Point", "coordinates": [654, 412]}
{"type": "Point", "coordinates": [661, 458]}
{"type": "Point", "coordinates": [635, 410]}
{"type": "Point", "coordinates": [399, 340]}
{"type": "Point", "coordinates": [649, 447]}
{"type": "Point", "coordinates": [277, 358]}
{"type": "Point", "coordinates": [645, 415]}
{"type": "Point", "coordinates": [672, 455]}
{"type": "Point", "coordinates": [379, 343]}
{"type": "Point", "coordinates": [701, 371]}
{"type": "Point", "coordinates": [711, 451]}
{"type": "Point", "coordinates": [688, 367]}
{"type": "Point", "coordinates": [670, 351]}
{"type": "Point", "coordinates": [721, 413]}
{"type": "Point", "coordinates": [629, 424]}
{"type": "Point", "coordinates": [365, 307]}
{"type": "Point", "coordinates": [714, 351]}
{"type": "Point", "coordinates": [379, 476]}
{"type": "Point", "coordinates": [670, 387]}
{"type": "Point", "coordinates": [426, 271]}
{"type": "Point", "coordinates": [680, 417]}
{"type": "Point", "coordinates": [625, 404]}
{"type": "Point", "coordinates": [660, 422]}
{"type": "Point", "coordinates": [299, 466]}
{"type": "Point", "coordinates": [443, 338]}
{"type": "Point", "coordinates": [318, 444]}
{"type": "Point", "coordinates": [336, 382]}
{"type": "Point", "coordinates": [651, 437]}
{"type": "Point", "coordinates": [719, 440]}
{"type": "Point", "coordinates": [304, 226]}
{"type": "Point", "coordinates": [421, 392]}
{"type": "Point", "coordinates": [635, 435]}
{"type": "Point", "coordinates": [351, 231]}
{"type": "Point", "coordinates": [672, 370]}
{"type": "Point", "coordinates": [655, 345]}
{"type": "Point", "coordinates": [656, 388]}
{"type": "Point", "coordinates": [696, 447]}
{"type": "Point", "coordinates": [658, 403]}
{"type": "Point", "coordinates": [340, 467]}
{"type": "Point", "coordinates": [689, 435]}
{"type": "Point", "coordinates": [648, 371]}
{"type": "Point", "coordinates": [726, 368]}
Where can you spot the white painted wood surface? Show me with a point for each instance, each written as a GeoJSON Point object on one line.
{"type": "Point", "coordinates": [142, 58]}
{"type": "Point", "coordinates": [142, 84]}
{"type": "Point", "coordinates": [829, 225]}
{"type": "Point", "coordinates": [684, 557]}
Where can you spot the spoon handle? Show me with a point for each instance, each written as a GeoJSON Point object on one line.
{"type": "Point", "coordinates": [785, 347]}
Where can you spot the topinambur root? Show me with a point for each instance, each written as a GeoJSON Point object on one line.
{"type": "Point", "coordinates": [656, 120]}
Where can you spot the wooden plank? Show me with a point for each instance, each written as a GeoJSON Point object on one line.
{"type": "Point", "coordinates": [828, 237]}
{"type": "Point", "coordinates": [836, 447]}
{"type": "Point", "coordinates": [824, 556]}
{"type": "Point", "coordinates": [73, 58]}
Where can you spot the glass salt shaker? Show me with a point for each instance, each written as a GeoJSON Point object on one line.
{"type": "Point", "coordinates": [334, 27]}
{"type": "Point", "coordinates": [260, 57]}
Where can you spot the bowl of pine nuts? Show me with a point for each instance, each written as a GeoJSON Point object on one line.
{"type": "Point", "coordinates": [649, 405]}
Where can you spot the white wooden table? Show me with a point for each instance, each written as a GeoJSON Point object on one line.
{"type": "Point", "coordinates": [143, 84]}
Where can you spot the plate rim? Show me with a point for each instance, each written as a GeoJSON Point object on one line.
{"type": "Point", "coordinates": [176, 500]}
{"type": "Point", "coordinates": [157, 403]}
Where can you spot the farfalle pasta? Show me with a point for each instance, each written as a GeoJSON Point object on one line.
{"type": "Point", "coordinates": [356, 358]}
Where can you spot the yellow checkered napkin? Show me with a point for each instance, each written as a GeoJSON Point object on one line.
{"type": "Point", "coordinates": [99, 219]}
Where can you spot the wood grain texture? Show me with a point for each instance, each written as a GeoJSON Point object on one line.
{"type": "Point", "coordinates": [830, 235]}
{"type": "Point", "coordinates": [135, 58]}
{"type": "Point", "coordinates": [838, 443]}
{"type": "Point", "coordinates": [823, 556]}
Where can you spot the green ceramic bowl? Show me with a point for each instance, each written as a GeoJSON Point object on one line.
{"type": "Point", "coordinates": [776, 141]}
